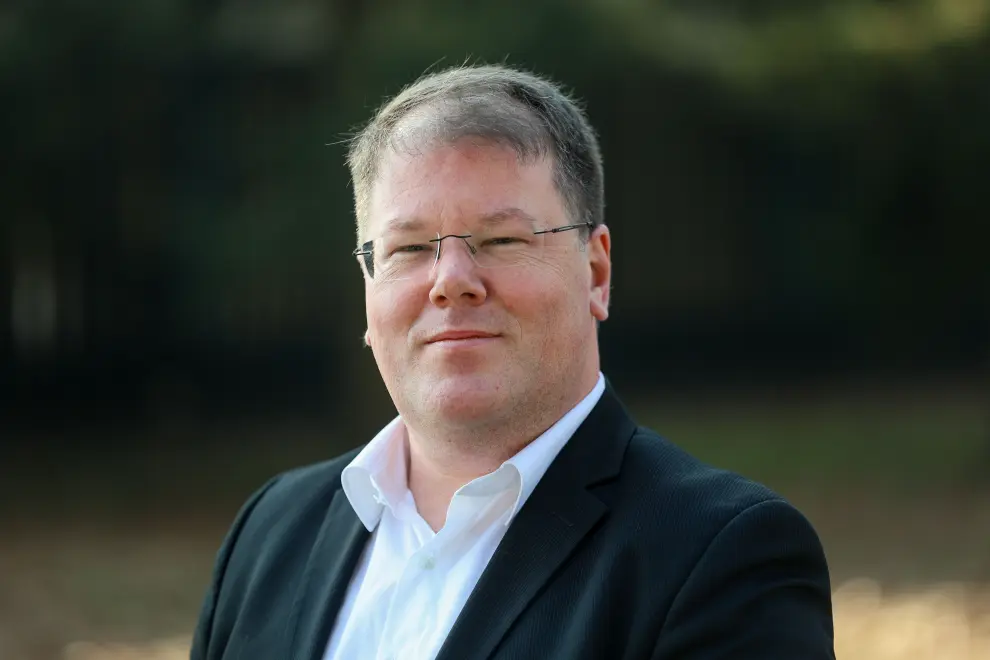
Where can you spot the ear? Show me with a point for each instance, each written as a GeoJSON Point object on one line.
{"type": "Point", "coordinates": [367, 338]}
{"type": "Point", "coordinates": [600, 260]}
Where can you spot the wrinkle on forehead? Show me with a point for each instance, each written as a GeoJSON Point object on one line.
{"type": "Point", "coordinates": [461, 185]}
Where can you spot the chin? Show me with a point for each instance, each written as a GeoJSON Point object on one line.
{"type": "Point", "coordinates": [465, 397]}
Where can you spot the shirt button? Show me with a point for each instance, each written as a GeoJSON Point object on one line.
{"type": "Point", "coordinates": [428, 563]}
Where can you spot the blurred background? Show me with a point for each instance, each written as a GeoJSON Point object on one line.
{"type": "Point", "coordinates": [798, 200]}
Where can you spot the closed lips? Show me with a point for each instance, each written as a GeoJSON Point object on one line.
{"type": "Point", "coordinates": [456, 335]}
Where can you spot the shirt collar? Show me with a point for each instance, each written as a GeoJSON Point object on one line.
{"type": "Point", "coordinates": [376, 478]}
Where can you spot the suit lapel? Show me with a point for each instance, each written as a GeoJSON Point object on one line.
{"type": "Point", "coordinates": [551, 525]}
{"type": "Point", "coordinates": [325, 579]}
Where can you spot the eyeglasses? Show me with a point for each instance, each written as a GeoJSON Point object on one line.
{"type": "Point", "coordinates": [404, 255]}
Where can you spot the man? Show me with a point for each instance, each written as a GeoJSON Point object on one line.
{"type": "Point", "coordinates": [513, 509]}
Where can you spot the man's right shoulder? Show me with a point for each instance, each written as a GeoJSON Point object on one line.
{"type": "Point", "coordinates": [316, 477]}
{"type": "Point", "coordinates": [260, 565]}
{"type": "Point", "coordinates": [297, 496]}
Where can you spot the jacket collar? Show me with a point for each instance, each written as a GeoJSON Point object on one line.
{"type": "Point", "coordinates": [548, 529]}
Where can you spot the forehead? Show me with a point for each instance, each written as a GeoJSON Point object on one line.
{"type": "Point", "coordinates": [460, 184]}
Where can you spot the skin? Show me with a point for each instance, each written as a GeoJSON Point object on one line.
{"type": "Point", "coordinates": [470, 405]}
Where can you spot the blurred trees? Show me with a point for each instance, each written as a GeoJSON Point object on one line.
{"type": "Point", "coordinates": [793, 188]}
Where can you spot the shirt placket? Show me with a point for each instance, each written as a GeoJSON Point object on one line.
{"type": "Point", "coordinates": [411, 624]}
{"type": "Point", "coordinates": [411, 612]}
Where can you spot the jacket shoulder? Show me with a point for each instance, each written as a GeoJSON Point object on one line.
{"type": "Point", "coordinates": [664, 482]}
{"type": "Point", "coordinates": [266, 545]}
{"type": "Point", "coordinates": [308, 478]}
{"type": "Point", "coordinates": [291, 503]}
{"type": "Point", "coordinates": [669, 503]}
{"type": "Point", "coordinates": [297, 490]}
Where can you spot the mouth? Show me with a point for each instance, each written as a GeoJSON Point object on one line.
{"type": "Point", "coordinates": [459, 337]}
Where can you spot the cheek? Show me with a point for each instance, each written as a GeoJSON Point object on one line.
{"type": "Point", "coordinates": [541, 303]}
{"type": "Point", "coordinates": [391, 312]}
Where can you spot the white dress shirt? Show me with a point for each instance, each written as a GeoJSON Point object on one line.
{"type": "Point", "coordinates": [411, 583]}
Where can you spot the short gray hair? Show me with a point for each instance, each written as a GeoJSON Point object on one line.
{"type": "Point", "coordinates": [514, 108]}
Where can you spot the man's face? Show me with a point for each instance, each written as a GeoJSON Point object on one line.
{"type": "Point", "coordinates": [535, 321]}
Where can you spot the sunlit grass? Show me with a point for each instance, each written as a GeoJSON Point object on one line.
{"type": "Point", "coordinates": [898, 445]}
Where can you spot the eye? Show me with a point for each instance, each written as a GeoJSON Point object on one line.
{"type": "Point", "coordinates": [410, 249]}
{"type": "Point", "coordinates": [504, 240]}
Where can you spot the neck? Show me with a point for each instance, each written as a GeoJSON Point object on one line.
{"type": "Point", "coordinates": [442, 458]}
{"type": "Point", "coordinates": [435, 472]}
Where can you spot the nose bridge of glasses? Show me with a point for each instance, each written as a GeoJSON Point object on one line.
{"type": "Point", "coordinates": [463, 239]}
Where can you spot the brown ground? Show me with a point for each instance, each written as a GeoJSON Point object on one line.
{"type": "Point", "coordinates": [939, 623]}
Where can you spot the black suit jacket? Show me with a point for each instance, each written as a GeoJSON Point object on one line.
{"type": "Point", "coordinates": [627, 548]}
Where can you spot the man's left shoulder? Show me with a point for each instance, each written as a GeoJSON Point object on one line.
{"type": "Point", "coordinates": [733, 564]}
{"type": "Point", "coordinates": [660, 481]}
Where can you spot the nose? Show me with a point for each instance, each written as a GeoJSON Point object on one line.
{"type": "Point", "coordinates": [456, 280]}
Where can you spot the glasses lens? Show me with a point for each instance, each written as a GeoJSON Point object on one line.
{"type": "Point", "coordinates": [507, 245]}
{"type": "Point", "coordinates": [402, 256]}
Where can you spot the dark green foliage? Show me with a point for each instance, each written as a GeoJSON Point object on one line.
{"type": "Point", "coordinates": [793, 187]}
